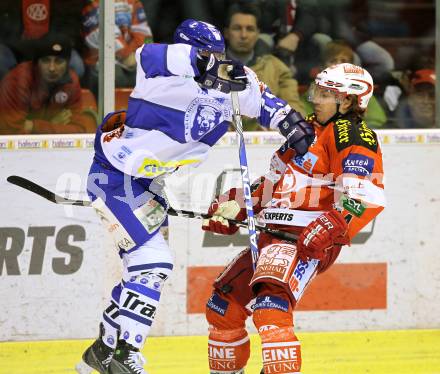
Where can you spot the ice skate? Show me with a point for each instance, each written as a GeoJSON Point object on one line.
{"type": "Point", "coordinates": [127, 360]}
{"type": "Point", "coordinates": [98, 357]}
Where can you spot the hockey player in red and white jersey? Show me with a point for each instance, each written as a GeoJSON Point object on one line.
{"type": "Point", "coordinates": [325, 196]}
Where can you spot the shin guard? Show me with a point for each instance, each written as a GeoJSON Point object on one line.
{"type": "Point", "coordinates": [228, 344]}
{"type": "Point", "coordinates": [281, 349]}
{"type": "Point", "coordinates": [110, 319]}
{"type": "Point", "coordinates": [137, 308]}
{"type": "Point", "coordinates": [146, 270]}
{"type": "Point", "coordinates": [228, 351]}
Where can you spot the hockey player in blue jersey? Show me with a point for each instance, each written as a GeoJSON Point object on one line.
{"type": "Point", "coordinates": [178, 110]}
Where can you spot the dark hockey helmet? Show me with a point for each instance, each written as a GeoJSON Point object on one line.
{"type": "Point", "coordinates": [201, 35]}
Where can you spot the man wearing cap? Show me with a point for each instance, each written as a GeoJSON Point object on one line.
{"type": "Point", "coordinates": [43, 96]}
{"type": "Point", "coordinates": [417, 110]}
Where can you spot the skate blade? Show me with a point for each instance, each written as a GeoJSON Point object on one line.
{"type": "Point", "coordinates": [83, 368]}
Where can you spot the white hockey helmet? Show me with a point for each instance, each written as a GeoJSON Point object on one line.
{"type": "Point", "coordinates": [347, 79]}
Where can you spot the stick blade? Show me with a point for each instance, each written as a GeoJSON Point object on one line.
{"type": "Point", "coordinates": [43, 192]}
{"type": "Point", "coordinates": [31, 186]}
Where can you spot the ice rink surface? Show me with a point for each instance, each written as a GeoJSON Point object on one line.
{"type": "Point", "coordinates": [378, 352]}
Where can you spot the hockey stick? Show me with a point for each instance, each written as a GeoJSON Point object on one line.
{"type": "Point", "coordinates": [251, 225]}
{"type": "Point", "coordinates": [43, 192]}
{"type": "Point", "coordinates": [57, 199]}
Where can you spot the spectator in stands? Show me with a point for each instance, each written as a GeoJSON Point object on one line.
{"type": "Point", "coordinates": [43, 96]}
{"type": "Point", "coordinates": [277, 21]}
{"type": "Point", "coordinates": [132, 31]}
{"type": "Point", "coordinates": [417, 109]}
{"type": "Point", "coordinates": [164, 16]}
{"type": "Point", "coordinates": [24, 21]}
{"type": "Point", "coordinates": [338, 52]}
{"type": "Point", "coordinates": [241, 34]}
{"type": "Point", "coordinates": [319, 21]}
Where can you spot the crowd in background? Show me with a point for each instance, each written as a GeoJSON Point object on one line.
{"type": "Point", "coordinates": [49, 53]}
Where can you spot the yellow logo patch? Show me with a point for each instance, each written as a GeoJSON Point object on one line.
{"type": "Point", "coordinates": [152, 168]}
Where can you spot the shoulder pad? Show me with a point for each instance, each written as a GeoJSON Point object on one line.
{"type": "Point", "coordinates": [348, 133]}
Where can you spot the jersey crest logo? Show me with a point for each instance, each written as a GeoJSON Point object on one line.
{"type": "Point", "coordinates": [201, 117]}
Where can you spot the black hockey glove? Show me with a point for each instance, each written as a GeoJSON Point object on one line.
{"type": "Point", "coordinates": [221, 75]}
{"type": "Point", "coordinates": [236, 71]}
{"type": "Point", "coordinates": [298, 132]}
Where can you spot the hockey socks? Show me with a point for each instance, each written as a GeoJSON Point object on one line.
{"type": "Point", "coordinates": [137, 308]}
{"type": "Point", "coordinates": [228, 351]}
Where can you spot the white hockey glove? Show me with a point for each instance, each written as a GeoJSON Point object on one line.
{"type": "Point", "coordinates": [221, 209]}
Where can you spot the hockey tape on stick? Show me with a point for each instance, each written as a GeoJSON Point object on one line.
{"type": "Point", "coordinates": [57, 199]}
{"type": "Point", "coordinates": [43, 192]}
{"type": "Point", "coordinates": [245, 178]}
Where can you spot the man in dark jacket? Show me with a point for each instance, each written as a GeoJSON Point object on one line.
{"type": "Point", "coordinates": [43, 96]}
{"type": "Point", "coordinates": [24, 21]}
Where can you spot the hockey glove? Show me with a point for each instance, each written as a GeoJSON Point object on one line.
{"type": "Point", "coordinates": [320, 235]}
{"type": "Point", "coordinates": [298, 132]}
{"type": "Point", "coordinates": [223, 208]}
{"type": "Point", "coordinates": [236, 71]}
{"type": "Point", "coordinates": [221, 75]}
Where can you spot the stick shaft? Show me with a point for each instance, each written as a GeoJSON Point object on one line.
{"type": "Point", "coordinates": [245, 179]}
{"type": "Point", "coordinates": [57, 199]}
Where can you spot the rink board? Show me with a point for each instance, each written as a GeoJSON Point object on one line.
{"type": "Point", "coordinates": [57, 265]}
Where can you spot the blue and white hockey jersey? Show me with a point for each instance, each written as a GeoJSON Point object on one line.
{"type": "Point", "coordinates": [171, 120]}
